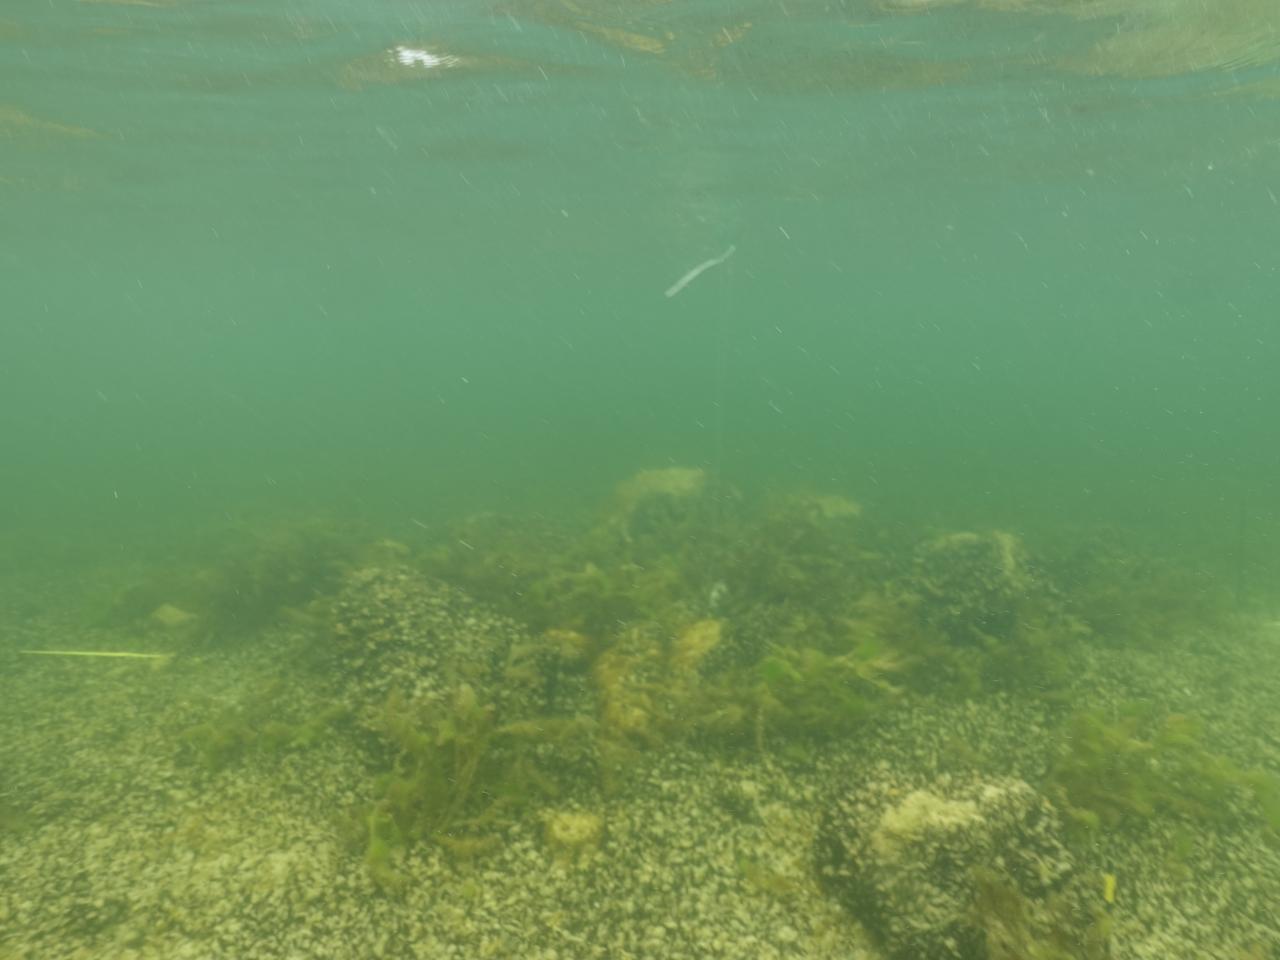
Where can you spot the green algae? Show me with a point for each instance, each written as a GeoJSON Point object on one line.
{"type": "Point", "coordinates": [695, 617]}
{"type": "Point", "coordinates": [252, 727]}
{"type": "Point", "coordinates": [1140, 764]}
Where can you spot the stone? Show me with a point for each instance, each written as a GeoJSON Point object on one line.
{"type": "Point", "coordinates": [903, 858]}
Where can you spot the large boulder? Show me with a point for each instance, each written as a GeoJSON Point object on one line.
{"type": "Point", "coordinates": [909, 860]}
{"type": "Point", "coordinates": [978, 587]}
{"type": "Point", "coordinates": [397, 633]}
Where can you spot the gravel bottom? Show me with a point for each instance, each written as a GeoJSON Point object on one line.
{"type": "Point", "coordinates": [112, 847]}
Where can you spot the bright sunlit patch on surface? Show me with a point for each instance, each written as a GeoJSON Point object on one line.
{"type": "Point", "coordinates": [422, 59]}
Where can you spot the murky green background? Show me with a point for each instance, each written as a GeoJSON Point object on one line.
{"type": "Point", "coordinates": [1010, 264]}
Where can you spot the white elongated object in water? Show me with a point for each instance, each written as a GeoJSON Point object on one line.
{"type": "Point", "coordinates": [697, 271]}
{"type": "Point", "coordinates": [98, 653]}
{"type": "Point", "coordinates": [422, 59]}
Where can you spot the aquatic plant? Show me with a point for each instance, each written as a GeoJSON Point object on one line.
{"type": "Point", "coordinates": [1131, 596]}
{"type": "Point", "coordinates": [583, 580]}
{"type": "Point", "coordinates": [252, 727]}
{"type": "Point", "coordinates": [439, 754]}
{"type": "Point", "coordinates": [629, 684]}
{"type": "Point", "coordinates": [1140, 765]}
{"type": "Point", "coordinates": [457, 776]}
{"type": "Point", "coordinates": [265, 571]}
{"type": "Point", "coordinates": [690, 617]}
{"type": "Point", "coordinates": [801, 552]}
{"type": "Point", "coordinates": [231, 583]}
{"type": "Point", "coordinates": [383, 845]}
{"type": "Point", "coordinates": [1015, 927]}
{"type": "Point", "coordinates": [975, 613]}
{"type": "Point", "coordinates": [812, 693]}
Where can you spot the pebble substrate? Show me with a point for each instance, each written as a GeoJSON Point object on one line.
{"type": "Point", "coordinates": [114, 849]}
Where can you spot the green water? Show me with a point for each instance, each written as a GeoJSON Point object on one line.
{"type": "Point", "coordinates": [991, 266]}
{"type": "Point", "coordinates": [682, 423]}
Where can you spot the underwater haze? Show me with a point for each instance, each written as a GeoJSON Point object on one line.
{"type": "Point", "coordinates": [640, 479]}
{"type": "Point", "coordinates": [1013, 261]}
